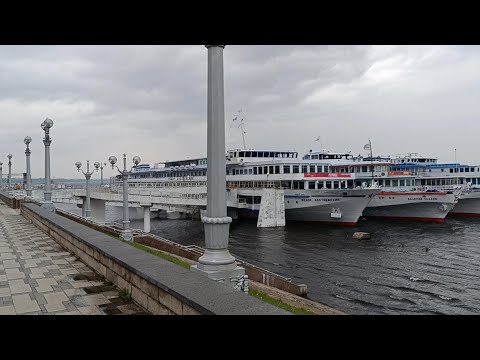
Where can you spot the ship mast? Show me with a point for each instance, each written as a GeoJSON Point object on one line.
{"type": "Point", "coordinates": [241, 125]}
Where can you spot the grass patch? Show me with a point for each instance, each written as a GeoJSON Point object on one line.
{"type": "Point", "coordinates": [278, 303]}
{"type": "Point", "coordinates": [124, 295]}
{"type": "Point", "coordinates": [160, 254]}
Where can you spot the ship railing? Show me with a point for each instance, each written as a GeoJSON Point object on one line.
{"type": "Point", "coordinates": [162, 184]}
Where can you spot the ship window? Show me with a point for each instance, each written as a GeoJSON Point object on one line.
{"type": "Point", "coordinates": [451, 170]}
{"type": "Point", "coordinates": [296, 169]}
{"type": "Point", "coordinates": [242, 153]}
{"type": "Point", "coordinates": [265, 154]}
{"type": "Point", "coordinates": [307, 157]}
{"type": "Point", "coordinates": [311, 184]}
{"type": "Point", "coordinates": [255, 170]}
{"type": "Point", "coordinates": [312, 168]}
{"type": "Point", "coordinates": [442, 170]}
{"type": "Point", "coordinates": [265, 169]}
{"type": "Point", "coordinates": [260, 170]}
{"type": "Point", "coordinates": [254, 154]}
{"type": "Point", "coordinates": [472, 169]}
{"type": "Point", "coordinates": [272, 155]}
{"type": "Point", "coordinates": [248, 154]}
{"type": "Point", "coordinates": [277, 169]}
{"type": "Point", "coordinates": [461, 169]}
{"type": "Point", "coordinates": [228, 172]}
{"type": "Point", "coordinates": [364, 169]}
{"type": "Point", "coordinates": [304, 169]}
{"type": "Point", "coordinates": [270, 169]}
{"type": "Point", "coordinates": [250, 171]}
{"type": "Point", "coordinates": [402, 182]}
{"type": "Point", "coordinates": [467, 169]}
{"type": "Point", "coordinates": [394, 182]}
{"type": "Point", "coordinates": [328, 184]}
{"type": "Point", "coordinates": [350, 184]}
{"type": "Point", "coordinates": [314, 156]}
{"type": "Point", "coordinates": [286, 169]}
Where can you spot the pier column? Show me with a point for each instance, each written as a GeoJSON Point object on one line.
{"type": "Point", "coordinates": [146, 217]}
{"type": "Point", "coordinates": [216, 262]}
{"type": "Point", "coordinates": [82, 205]}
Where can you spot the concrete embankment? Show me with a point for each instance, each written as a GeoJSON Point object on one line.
{"type": "Point", "coordinates": [156, 285]}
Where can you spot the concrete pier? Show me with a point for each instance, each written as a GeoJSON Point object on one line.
{"type": "Point", "coordinates": [146, 216]}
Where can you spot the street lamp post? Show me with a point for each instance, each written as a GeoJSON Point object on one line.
{"type": "Point", "coordinates": [267, 178]}
{"type": "Point", "coordinates": [127, 232]}
{"type": "Point", "coordinates": [1, 174]}
{"type": "Point", "coordinates": [27, 142]}
{"type": "Point", "coordinates": [217, 263]}
{"type": "Point", "coordinates": [46, 126]}
{"type": "Point", "coordinates": [88, 175]}
{"type": "Point", "coordinates": [9, 179]}
{"type": "Point", "coordinates": [102, 165]}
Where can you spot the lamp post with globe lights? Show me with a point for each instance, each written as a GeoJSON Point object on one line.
{"type": "Point", "coordinates": [27, 142]}
{"type": "Point", "coordinates": [88, 175]}
{"type": "Point", "coordinates": [102, 165]}
{"type": "Point", "coordinates": [9, 179]}
{"type": "Point", "coordinates": [127, 232]}
{"type": "Point", "coordinates": [46, 125]}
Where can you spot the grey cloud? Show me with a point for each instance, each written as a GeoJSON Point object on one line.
{"type": "Point", "coordinates": [151, 100]}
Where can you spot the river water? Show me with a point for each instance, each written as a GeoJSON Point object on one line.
{"type": "Point", "coordinates": [405, 268]}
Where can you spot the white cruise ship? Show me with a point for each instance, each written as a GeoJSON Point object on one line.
{"type": "Point", "coordinates": [311, 191]}
{"type": "Point", "coordinates": [451, 177]}
{"type": "Point", "coordinates": [401, 197]}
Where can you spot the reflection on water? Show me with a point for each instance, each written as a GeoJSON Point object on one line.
{"type": "Point", "coordinates": [405, 268]}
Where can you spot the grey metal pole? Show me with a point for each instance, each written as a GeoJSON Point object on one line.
{"type": "Point", "coordinates": [216, 258]}
{"type": "Point", "coordinates": [46, 125]}
{"type": "Point", "coordinates": [29, 175]}
{"type": "Point", "coordinates": [101, 175]}
{"type": "Point", "coordinates": [88, 175]}
{"type": "Point", "coordinates": [127, 233]}
{"type": "Point", "coordinates": [9, 179]}
{"type": "Point", "coordinates": [1, 174]}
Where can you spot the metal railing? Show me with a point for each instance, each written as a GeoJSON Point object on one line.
{"type": "Point", "coordinates": [111, 225]}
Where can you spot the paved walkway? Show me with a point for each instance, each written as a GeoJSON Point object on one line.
{"type": "Point", "coordinates": [38, 277]}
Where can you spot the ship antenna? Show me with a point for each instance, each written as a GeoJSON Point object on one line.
{"type": "Point", "coordinates": [368, 147]}
{"type": "Point", "coordinates": [240, 119]}
{"type": "Point", "coordinates": [319, 138]}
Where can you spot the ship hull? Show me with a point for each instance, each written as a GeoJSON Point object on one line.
{"type": "Point", "coordinates": [468, 205]}
{"type": "Point", "coordinates": [411, 206]}
{"type": "Point", "coordinates": [343, 207]}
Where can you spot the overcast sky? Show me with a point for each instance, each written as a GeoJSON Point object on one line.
{"type": "Point", "coordinates": [151, 101]}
